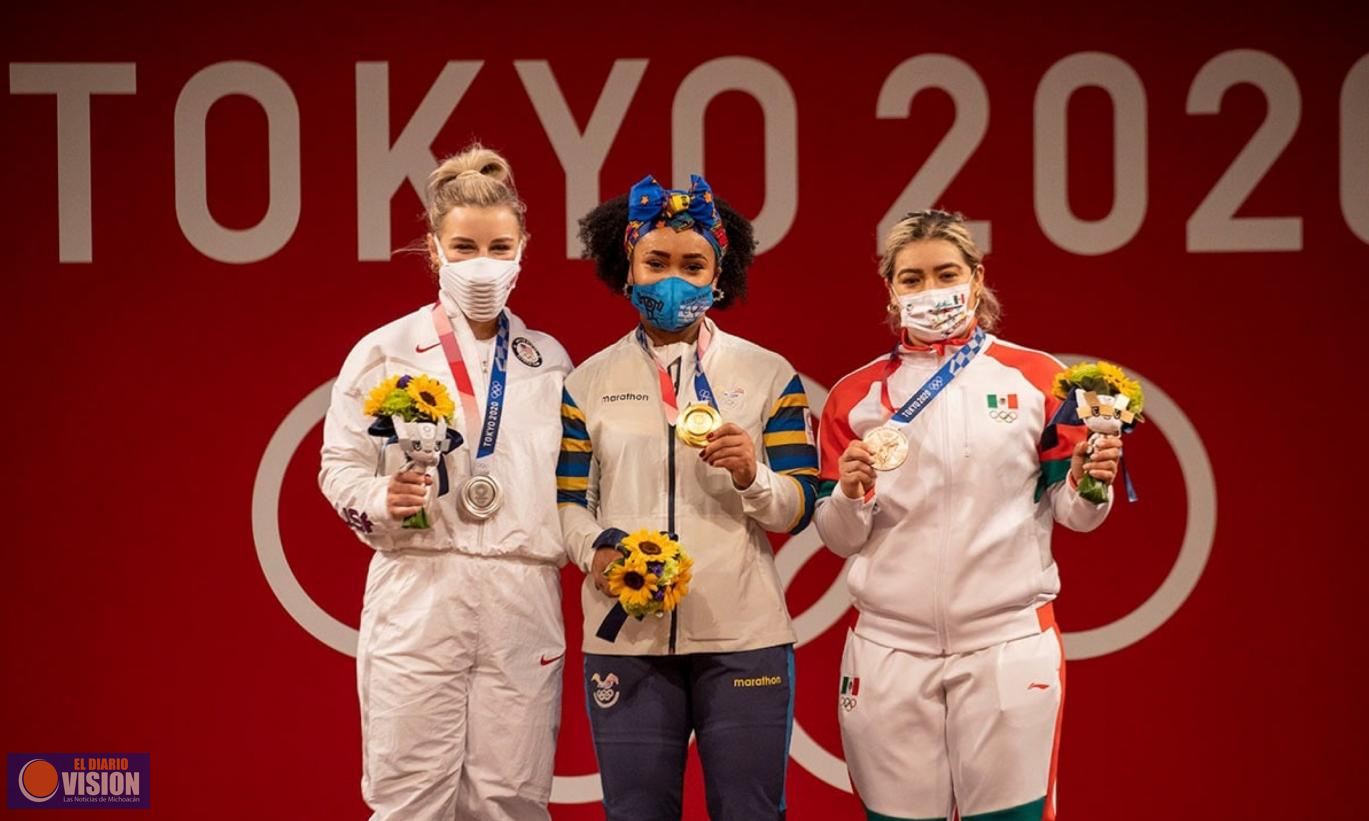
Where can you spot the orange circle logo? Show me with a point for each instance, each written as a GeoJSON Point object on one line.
{"type": "Point", "coordinates": [38, 780]}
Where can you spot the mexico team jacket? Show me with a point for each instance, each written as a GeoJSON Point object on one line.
{"type": "Point", "coordinates": [953, 549]}
{"type": "Point", "coordinates": [622, 467]}
{"type": "Point", "coordinates": [357, 467]}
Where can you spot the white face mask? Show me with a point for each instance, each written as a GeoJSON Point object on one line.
{"type": "Point", "coordinates": [938, 314]}
{"type": "Point", "coordinates": [479, 286]}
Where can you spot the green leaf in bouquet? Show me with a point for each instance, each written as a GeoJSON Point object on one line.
{"type": "Point", "coordinates": [1093, 490]}
{"type": "Point", "coordinates": [398, 403]}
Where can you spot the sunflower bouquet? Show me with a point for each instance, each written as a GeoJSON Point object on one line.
{"type": "Point", "coordinates": [652, 576]}
{"type": "Point", "coordinates": [415, 412]}
{"type": "Point", "coordinates": [1107, 402]}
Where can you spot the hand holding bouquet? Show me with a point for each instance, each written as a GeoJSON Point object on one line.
{"type": "Point", "coordinates": [1107, 402]}
{"type": "Point", "coordinates": [652, 576]}
{"type": "Point", "coordinates": [415, 412]}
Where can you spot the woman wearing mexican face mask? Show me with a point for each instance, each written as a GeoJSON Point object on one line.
{"type": "Point", "coordinates": [459, 660]}
{"type": "Point", "coordinates": [675, 255]}
{"type": "Point", "coordinates": [952, 682]}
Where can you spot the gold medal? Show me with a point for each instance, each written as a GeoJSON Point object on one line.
{"type": "Point", "coordinates": [888, 445]}
{"type": "Point", "coordinates": [696, 422]}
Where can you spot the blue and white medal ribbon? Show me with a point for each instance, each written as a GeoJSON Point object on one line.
{"type": "Point", "coordinates": [887, 443]}
{"type": "Point", "coordinates": [480, 495]}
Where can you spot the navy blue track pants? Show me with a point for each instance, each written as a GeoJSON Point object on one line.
{"type": "Point", "coordinates": [739, 705]}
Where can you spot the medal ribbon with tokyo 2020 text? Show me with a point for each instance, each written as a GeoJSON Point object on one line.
{"type": "Point", "coordinates": [465, 388]}
{"type": "Point", "coordinates": [933, 387]}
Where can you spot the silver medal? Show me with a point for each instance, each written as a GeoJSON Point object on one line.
{"type": "Point", "coordinates": [480, 497]}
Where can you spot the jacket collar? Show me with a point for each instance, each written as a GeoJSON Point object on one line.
{"type": "Point", "coordinates": [907, 346]}
{"type": "Point", "coordinates": [716, 337]}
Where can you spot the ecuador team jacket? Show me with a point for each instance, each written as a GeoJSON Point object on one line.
{"type": "Point", "coordinates": [622, 467]}
{"type": "Point", "coordinates": [953, 548]}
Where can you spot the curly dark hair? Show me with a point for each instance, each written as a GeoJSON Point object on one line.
{"type": "Point", "coordinates": [601, 235]}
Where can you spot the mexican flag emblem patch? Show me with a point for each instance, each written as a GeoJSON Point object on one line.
{"type": "Point", "coordinates": [850, 688]}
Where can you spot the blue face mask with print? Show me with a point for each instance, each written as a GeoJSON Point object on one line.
{"type": "Point", "coordinates": [672, 304]}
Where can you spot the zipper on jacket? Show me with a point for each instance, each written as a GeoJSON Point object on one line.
{"type": "Point", "coordinates": [677, 371]}
{"type": "Point", "coordinates": [670, 518]}
{"type": "Point", "coordinates": [965, 411]}
{"type": "Point", "coordinates": [938, 584]}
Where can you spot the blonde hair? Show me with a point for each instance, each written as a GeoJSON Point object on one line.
{"type": "Point", "coordinates": [476, 177]}
{"type": "Point", "coordinates": [921, 226]}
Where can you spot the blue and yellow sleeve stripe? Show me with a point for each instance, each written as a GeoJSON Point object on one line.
{"type": "Point", "coordinates": [572, 466]}
{"type": "Point", "coordinates": [789, 447]}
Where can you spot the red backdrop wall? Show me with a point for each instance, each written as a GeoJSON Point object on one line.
{"type": "Point", "coordinates": [1184, 191]}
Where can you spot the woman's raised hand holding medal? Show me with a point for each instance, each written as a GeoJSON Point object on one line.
{"type": "Point", "coordinates": [730, 448]}
{"type": "Point", "coordinates": [696, 422]}
{"type": "Point", "coordinates": [857, 470]}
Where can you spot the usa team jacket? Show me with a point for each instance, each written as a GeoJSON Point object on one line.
{"type": "Point", "coordinates": [356, 466]}
{"type": "Point", "coordinates": [623, 468]}
{"type": "Point", "coordinates": [953, 549]}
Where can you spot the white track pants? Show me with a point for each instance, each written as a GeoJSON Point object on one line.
{"type": "Point", "coordinates": [977, 733]}
{"type": "Point", "coordinates": [459, 673]}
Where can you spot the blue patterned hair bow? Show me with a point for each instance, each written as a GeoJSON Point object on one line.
{"type": "Point", "coordinates": [649, 206]}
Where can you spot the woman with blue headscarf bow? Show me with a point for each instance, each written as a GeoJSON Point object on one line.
{"type": "Point", "coordinates": [721, 665]}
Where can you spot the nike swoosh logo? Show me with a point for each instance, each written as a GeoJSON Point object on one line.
{"type": "Point", "coordinates": [545, 661]}
{"type": "Point", "coordinates": [1036, 686]}
{"type": "Point", "coordinates": [421, 349]}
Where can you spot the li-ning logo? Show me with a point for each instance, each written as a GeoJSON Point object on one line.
{"type": "Point", "coordinates": [850, 688]}
{"type": "Point", "coordinates": [605, 690]}
{"type": "Point", "coordinates": [1003, 407]}
{"type": "Point", "coordinates": [625, 397]}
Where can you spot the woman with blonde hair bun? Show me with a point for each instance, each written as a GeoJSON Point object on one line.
{"type": "Point", "coordinates": [461, 647]}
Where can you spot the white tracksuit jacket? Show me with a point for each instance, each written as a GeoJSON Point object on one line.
{"type": "Point", "coordinates": [622, 467]}
{"type": "Point", "coordinates": [952, 550]}
{"type": "Point", "coordinates": [357, 466]}
{"type": "Point", "coordinates": [461, 647]}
